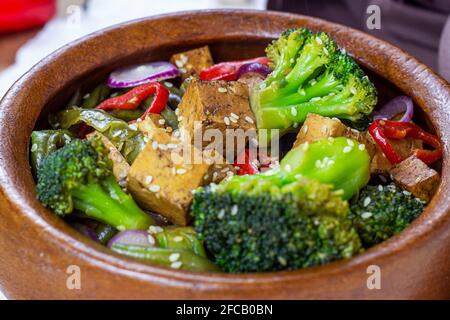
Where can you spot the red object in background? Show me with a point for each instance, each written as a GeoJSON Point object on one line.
{"type": "Point", "coordinates": [17, 15]}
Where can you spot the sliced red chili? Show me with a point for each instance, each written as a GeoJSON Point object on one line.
{"type": "Point", "coordinates": [228, 70]}
{"type": "Point", "coordinates": [133, 98]}
{"type": "Point", "coordinates": [382, 130]}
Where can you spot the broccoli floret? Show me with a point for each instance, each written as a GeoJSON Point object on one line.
{"type": "Point", "coordinates": [311, 75]}
{"type": "Point", "coordinates": [79, 176]}
{"type": "Point", "coordinates": [379, 212]}
{"type": "Point", "coordinates": [274, 226]}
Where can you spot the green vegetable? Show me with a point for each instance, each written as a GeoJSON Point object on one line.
{"type": "Point", "coordinates": [105, 232]}
{"type": "Point", "coordinates": [311, 75]}
{"type": "Point", "coordinates": [379, 212]}
{"type": "Point", "coordinates": [79, 176]}
{"type": "Point", "coordinates": [342, 162]}
{"type": "Point", "coordinates": [100, 93]}
{"type": "Point", "coordinates": [170, 116]}
{"type": "Point", "coordinates": [127, 115]}
{"type": "Point", "coordinates": [257, 225]}
{"type": "Point", "coordinates": [45, 142]}
{"type": "Point", "coordinates": [183, 238]}
{"type": "Point", "coordinates": [129, 142]}
{"type": "Point", "coordinates": [339, 162]}
{"type": "Point", "coordinates": [173, 258]}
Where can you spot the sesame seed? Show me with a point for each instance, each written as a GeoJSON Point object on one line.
{"type": "Point", "coordinates": [176, 265]}
{"type": "Point", "coordinates": [293, 111]}
{"type": "Point", "coordinates": [234, 120]}
{"type": "Point", "coordinates": [380, 187]}
{"type": "Point", "coordinates": [181, 171]}
{"type": "Point", "coordinates": [154, 145]}
{"type": "Point", "coordinates": [155, 229]}
{"type": "Point", "coordinates": [174, 171]}
{"type": "Point", "coordinates": [222, 90]}
{"type": "Point", "coordinates": [161, 121]}
{"type": "Point", "coordinates": [179, 63]}
{"type": "Point", "coordinates": [367, 201]}
{"type": "Point", "coordinates": [221, 214]}
{"type": "Point", "coordinates": [324, 129]}
{"type": "Point", "coordinates": [87, 95]}
{"type": "Point", "coordinates": [180, 118]}
{"type": "Point", "coordinates": [406, 193]}
{"type": "Point", "coordinates": [248, 119]}
{"type": "Point", "coordinates": [154, 188]}
{"type": "Point", "coordinates": [362, 147]}
{"type": "Point", "coordinates": [117, 133]}
{"type": "Point", "coordinates": [215, 175]}
{"type": "Point", "coordinates": [34, 147]}
{"type": "Point", "coordinates": [282, 261]}
{"type": "Point", "coordinates": [182, 70]}
{"type": "Point", "coordinates": [350, 142]}
{"type": "Point", "coordinates": [133, 126]}
{"type": "Point", "coordinates": [151, 240]}
{"type": "Point", "coordinates": [121, 228]}
{"type": "Point", "coordinates": [234, 115]}
{"type": "Point", "coordinates": [315, 99]}
{"type": "Point", "coordinates": [318, 163]}
{"type": "Point", "coordinates": [162, 146]}
{"type": "Point", "coordinates": [177, 111]}
{"type": "Point", "coordinates": [146, 139]}
{"type": "Point", "coordinates": [234, 210]}
{"type": "Point", "coordinates": [230, 174]}
{"type": "Point", "coordinates": [353, 90]}
{"type": "Point", "coordinates": [148, 180]}
{"type": "Point", "coordinates": [366, 215]}
{"type": "Point", "coordinates": [139, 120]}
{"type": "Point", "coordinates": [302, 92]}
{"type": "Point", "coordinates": [325, 50]}
{"type": "Point", "coordinates": [347, 149]}
{"type": "Point", "coordinates": [287, 167]}
{"type": "Point", "coordinates": [178, 239]}
{"type": "Point", "coordinates": [226, 120]}
{"type": "Point", "coordinates": [305, 128]}
{"type": "Point", "coordinates": [168, 84]}
{"type": "Point", "coordinates": [319, 41]}
{"type": "Point", "coordinates": [174, 257]}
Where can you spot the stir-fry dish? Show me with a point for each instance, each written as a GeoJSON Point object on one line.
{"type": "Point", "coordinates": [348, 173]}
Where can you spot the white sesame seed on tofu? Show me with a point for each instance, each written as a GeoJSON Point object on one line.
{"type": "Point", "coordinates": [181, 171]}
{"type": "Point", "coordinates": [154, 188]}
{"type": "Point", "coordinates": [305, 128]}
{"type": "Point", "coordinates": [234, 115]}
{"type": "Point", "coordinates": [234, 120]}
{"type": "Point", "coordinates": [226, 120]}
{"type": "Point", "coordinates": [248, 119]}
{"type": "Point", "coordinates": [222, 90]}
{"type": "Point", "coordinates": [148, 180]}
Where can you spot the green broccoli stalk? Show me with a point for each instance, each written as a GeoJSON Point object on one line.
{"type": "Point", "coordinates": [287, 218]}
{"type": "Point", "coordinates": [311, 75]}
{"type": "Point", "coordinates": [379, 212]}
{"type": "Point", "coordinates": [78, 176]}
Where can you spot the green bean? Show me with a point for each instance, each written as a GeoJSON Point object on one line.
{"type": "Point", "coordinates": [100, 93]}
{"type": "Point", "coordinates": [127, 115]}
{"type": "Point", "coordinates": [183, 238]}
{"type": "Point", "coordinates": [170, 116]}
{"type": "Point", "coordinates": [105, 232]}
{"type": "Point", "coordinates": [173, 258]}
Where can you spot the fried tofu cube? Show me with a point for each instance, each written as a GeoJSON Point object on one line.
{"type": "Point", "coordinates": [151, 122]}
{"type": "Point", "coordinates": [413, 175]}
{"type": "Point", "coordinates": [119, 163]}
{"type": "Point", "coordinates": [317, 127]}
{"type": "Point", "coordinates": [217, 105]}
{"type": "Point", "coordinates": [160, 181]}
{"type": "Point", "coordinates": [192, 62]}
{"type": "Point", "coordinates": [381, 165]}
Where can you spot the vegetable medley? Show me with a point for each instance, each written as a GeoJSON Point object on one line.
{"type": "Point", "coordinates": [114, 163]}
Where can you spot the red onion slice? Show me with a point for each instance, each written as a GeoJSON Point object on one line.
{"type": "Point", "coordinates": [142, 73]}
{"type": "Point", "coordinates": [254, 67]}
{"type": "Point", "coordinates": [400, 104]}
{"type": "Point", "coordinates": [133, 237]}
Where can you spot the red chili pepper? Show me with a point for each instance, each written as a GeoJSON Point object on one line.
{"type": "Point", "coordinates": [133, 98]}
{"type": "Point", "coordinates": [228, 70]}
{"type": "Point", "coordinates": [248, 164]}
{"type": "Point", "coordinates": [382, 130]}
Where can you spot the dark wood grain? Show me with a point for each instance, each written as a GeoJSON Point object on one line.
{"type": "Point", "coordinates": [37, 247]}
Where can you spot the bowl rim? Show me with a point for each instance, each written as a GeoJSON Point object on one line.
{"type": "Point", "coordinates": [432, 217]}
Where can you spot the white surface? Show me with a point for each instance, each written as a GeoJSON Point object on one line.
{"type": "Point", "coordinates": [100, 14]}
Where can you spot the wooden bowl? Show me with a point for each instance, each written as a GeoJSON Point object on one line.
{"type": "Point", "coordinates": [38, 247]}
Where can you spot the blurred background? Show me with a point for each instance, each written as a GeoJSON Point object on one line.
{"type": "Point", "coordinates": [31, 29]}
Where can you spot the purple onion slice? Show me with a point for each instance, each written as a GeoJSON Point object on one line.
{"type": "Point", "coordinates": [254, 67]}
{"type": "Point", "coordinates": [398, 105]}
{"type": "Point", "coordinates": [136, 75]}
{"type": "Point", "coordinates": [133, 237]}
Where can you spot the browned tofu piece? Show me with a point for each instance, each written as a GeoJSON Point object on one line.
{"type": "Point", "coordinates": [251, 80]}
{"type": "Point", "coordinates": [217, 105]}
{"type": "Point", "coordinates": [119, 163]}
{"type": "Point", "coordinates": [160, 182]}
{"type": "Point", "coordinates": [381, 165]}
{"type": "Point", "coordinates": [317, 127]}
{"type": "Point", "coordinates": [362, 137]}
{"type": "Point", "coordinates": [413, 175]}
{"type": "Point", "coordinates": [191, 62]}
{"type": "Point", "coordinates": [152, 121]}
